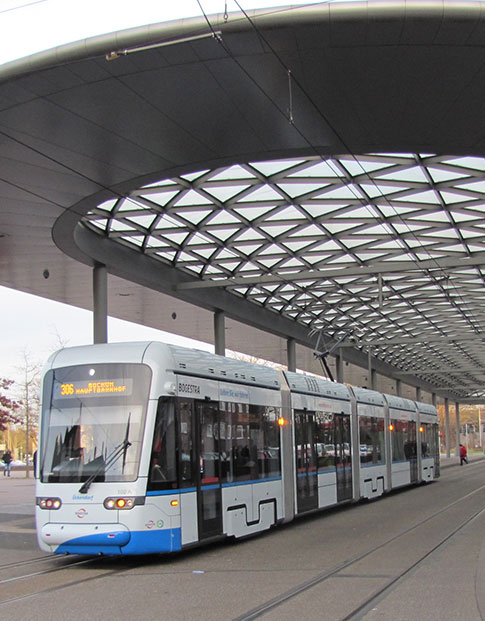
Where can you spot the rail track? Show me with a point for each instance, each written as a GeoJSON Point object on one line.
{"type": "Point", "coordinates": [377, 595]}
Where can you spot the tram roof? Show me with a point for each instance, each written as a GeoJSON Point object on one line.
{"type": "Point", "coordinates": [301, 169]}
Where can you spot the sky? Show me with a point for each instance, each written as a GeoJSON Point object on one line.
{"type": "Point", "coordinates": [43, 24]}
{"type": "Point", "coordinates": [37, 327]}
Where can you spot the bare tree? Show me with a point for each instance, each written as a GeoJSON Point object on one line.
{"type": "Point", "coordinates": [254, 360]}
{"type": "Point", "coordinates": [30, 370]}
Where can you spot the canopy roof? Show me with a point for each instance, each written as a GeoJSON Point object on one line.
{"type": "Point", "coordinates": [301, 169]}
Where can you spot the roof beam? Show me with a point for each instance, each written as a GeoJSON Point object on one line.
{"type": "Point", "coordinates": [450, 340]}
{"type": "Point", "coordinates": [379, 267]}
{"type": "Point", "coordinates": [441, 370]}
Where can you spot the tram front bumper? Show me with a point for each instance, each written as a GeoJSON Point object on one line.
{"type": "Point", "coordinates": [85, 538]}
{"type": "Point", "coordinates": [107, 539]}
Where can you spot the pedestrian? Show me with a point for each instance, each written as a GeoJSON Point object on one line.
{"type": "Point", "coordinates": [7, 460]}
{"type": "Point", "coordinates": [463, 455]}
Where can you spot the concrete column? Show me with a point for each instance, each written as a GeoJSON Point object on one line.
{"type": "Point", "coordinates": [418, 393]}
{"type": "Point", "coordinates": [373, 379]}
{"type": "Point", "coordinates": [457, 447]}
{"type": "Point", "coordinates": [398, 387]}
{"type": "Point", "coordinates": [434, 399]}
{"type": "Point", "coordinates": [219, 333]}
{"type": "Point", "coordinates": [291, 354]}
{"type": "Point", "coordinates": [100, 304]}
{"type": "Point", "coordinates": [339, 365]}
{"type": "Point", "coordinates": [447, 428]}
{"type": "Point", "coordinates": [369, 369]}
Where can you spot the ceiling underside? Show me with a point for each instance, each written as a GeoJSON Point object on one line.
{"type": "Point", "coordinates": [302, 170]}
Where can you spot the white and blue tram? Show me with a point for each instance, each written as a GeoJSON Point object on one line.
{"type": "Point", "coordinates": [151, 448]}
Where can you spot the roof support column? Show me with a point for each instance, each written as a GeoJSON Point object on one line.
{"type": "Point", "coordinates": [100, 304]}
{"type": "Point", "coordinates": [339, 365]}
{"type": "Point", "coordinates": [372, 382]}
{"type": "Point", "coordinates": [398, 387]}
{"type": "Point", "coordinates": [291, 354]}
{"type": "Point", "coordinates": [457, 447]}
{"type": "Point", "coordinates": [418, 393]}
{"type": "Point", "coordinates": [219, 333]}
{"type": "Point", "coordinates": [447, 428]}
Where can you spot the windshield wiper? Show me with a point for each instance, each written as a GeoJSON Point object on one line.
{"type": "Point", "coordinates": [109, 461]}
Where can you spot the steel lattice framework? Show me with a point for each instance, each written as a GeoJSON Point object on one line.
{"type": "Point", "coordinates": [386, 251]}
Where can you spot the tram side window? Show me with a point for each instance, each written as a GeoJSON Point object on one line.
{"type": "Point", "coordinates": [399, 438]}
{"type": "Point", "coordinates": [371, 440]}
{"type": "Point", "coordinates": [325, 440]}
{"type": "Point", "coordinates": [403, 440]}
{"type": "Point", "coordinates": [269, 461]}
{"type": "Point", "coordinates": [429, 440]}
{"type": "Point", "coordinates": [244, 452]}
{"type": "Point", "coordinates": [250, 446]}
{"type": "Point", "coordinates": [163, 467]}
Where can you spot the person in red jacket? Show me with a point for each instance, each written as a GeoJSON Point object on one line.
{"type": "Point", "coordinates": [463, 455]}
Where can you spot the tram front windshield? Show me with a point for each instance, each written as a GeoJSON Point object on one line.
{"type": "Point", "coordinates": [93, 418]}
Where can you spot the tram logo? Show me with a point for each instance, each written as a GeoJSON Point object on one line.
{"type": "Point", "coordinates": [150, 524]}
{"type": "Point", "coordinates": [189, 388]}
{"type": "Point", "coordinates": [81, 513]}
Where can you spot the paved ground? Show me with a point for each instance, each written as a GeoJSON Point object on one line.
{"type": "Point", "coordinates": [227, 581]}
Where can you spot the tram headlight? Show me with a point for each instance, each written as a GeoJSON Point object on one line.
{"type": "Point", "coordinates": [49, 503]}
{"type": "Point", "coordinates": [122, 502]}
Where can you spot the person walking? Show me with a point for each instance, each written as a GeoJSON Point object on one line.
{"type": "Point", "coordinates": [463, 455]}
{"type": "Point", "coordinates": [7, 460]}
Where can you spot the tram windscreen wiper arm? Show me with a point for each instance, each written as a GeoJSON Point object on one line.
{"type": "Point", "coordinates": [110, 460]}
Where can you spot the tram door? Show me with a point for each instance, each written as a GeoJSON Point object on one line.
{"type": "Point", "coordinates": [343, 457]}
{"type": "Point", "coordinates": [306, 462]}
{"type": "Point", "coordinates": [209, 503]}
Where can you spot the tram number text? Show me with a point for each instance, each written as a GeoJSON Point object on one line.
{"type": "Point", "coordinates": [67, 389]}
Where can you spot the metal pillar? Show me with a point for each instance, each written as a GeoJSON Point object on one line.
{"type": "Point", "coordinates": [291, 354]}
{"type": "Point", "coordinates": [100, 304]}
{"type": "Point", "coordinates": [219, 333]}
{"type": "Point", "coordinates": [447, 428]}
{"type": "Point", "coordinates": [339, 365]}
{"type": "Point", "coordinates": [370, 380]}
{"type": "Point", "coordinates": [457, 447]}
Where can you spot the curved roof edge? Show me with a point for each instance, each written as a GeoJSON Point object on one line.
{"type": "Point", "coordinates": [164, 32]}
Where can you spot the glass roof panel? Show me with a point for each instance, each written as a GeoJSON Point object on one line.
{"type": "Point", "coordinates": [161, 198]}
{"type": "Point", "coordinates": [226, 192]}
{"type": "Point", "coordinates": [412, 174]}
{"type": "Point", "coordinates": [307, 223]}
{"type": "Point", "coordinates": [191, 197]}
{"type": "Point", "coordinates": [262, 193]}
{"type": "Point", "coordinates": [276, 166]}
{"type": "Point", "coordinates": [317, 168]}
{"type": "Point", "coordinates": [233, 172]}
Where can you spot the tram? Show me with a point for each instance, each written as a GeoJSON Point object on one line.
{"type": "Point", "coordinates": [153, 448]}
